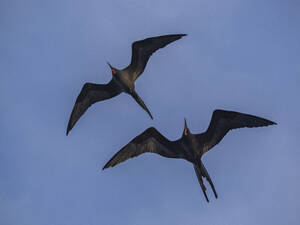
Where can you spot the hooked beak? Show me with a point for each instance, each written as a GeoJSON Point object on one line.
{"type": "Point", "coordinates": [109, 65]}
{"type": "Point", "coordinates": [185, 125]}
{"type": "Point", "coordinates": [186, 129]}
{"type": "Point", "coordinates": [113, 70]}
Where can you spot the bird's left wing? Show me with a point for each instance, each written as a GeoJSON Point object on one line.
{"type": "Point", "coordinates": [149, 141]}
{"type": "Point", "coordinates": [223, 121]}
{"type": "Point", "coordinates": [142, 50]}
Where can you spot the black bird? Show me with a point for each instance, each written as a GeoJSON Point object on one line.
{"type": "Point", "coordinates": [190, 147]}
{"type": "Point", "coordinates": [122, 80]}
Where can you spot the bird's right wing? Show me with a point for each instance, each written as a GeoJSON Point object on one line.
{"type": "Point", "coordinates": [223, 121]}
{"type": "Point", "coordinates": [90, 94]}
{"type": "Point", "coordinates": [149, 141]}
{"type": "Point", "coordinates": [143, 49]}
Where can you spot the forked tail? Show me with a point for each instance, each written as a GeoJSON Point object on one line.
{"type": "Point", "coordinates": [202, 172]}
{"type": "Point", "coordinates": [141, 103]}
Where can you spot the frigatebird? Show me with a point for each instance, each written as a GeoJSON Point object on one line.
{"type": "Point", "coordinates": [122, 80]}
{"type": "Point", "coordinates": [190, 147]}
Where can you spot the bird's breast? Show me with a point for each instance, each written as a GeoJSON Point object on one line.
{"type": "Point", "coordinates": [124, 83]}
{"type": "Point", "coordinates": [192, 148]}
{"type": "Point", "coordinates": [187, 150]}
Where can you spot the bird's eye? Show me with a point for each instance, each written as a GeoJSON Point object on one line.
{"type": "Point", "coordinates": [186, 131]}
{"type": "Point", "coordinates": [113, 71]}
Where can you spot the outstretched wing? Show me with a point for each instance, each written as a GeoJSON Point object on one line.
{"type": "Point", "coordinates": [90, 94]}
{"type": "Point", "coordinates": [223, 121]}
{"type": "Point", "coordinates": [149, 141]}
{"type": "Point", "coordinates": [142, 50]}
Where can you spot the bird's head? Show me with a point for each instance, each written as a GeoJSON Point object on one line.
{"type": "Point", "coordinates": [186, 130]}
{"type": "Point", "coordinates": [113, 70]}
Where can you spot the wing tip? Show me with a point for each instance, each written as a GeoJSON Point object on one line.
{"type": "Point", "coordinates": [69, 128]}
{"type": "Point", "coordinates": [105, 167]}
{"type": "Point", "coordinates": [181, 35]}
{"type": "Point", "coordinates": [70, 124]}
{"type": "Point", "coordinates": [108, 164]}
{"type": "Point", "coordinates": [269, 123]}
{"type": "Point", "coordinates": [175, 36]}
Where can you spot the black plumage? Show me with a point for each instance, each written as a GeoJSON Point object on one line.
{"type": "Point", "coordinates": [122, 80]}
{"type": "Point", "coordinates": [190, 147]}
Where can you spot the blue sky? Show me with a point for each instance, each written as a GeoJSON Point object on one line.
{"type": "Point", "coordinates": [238, 55]}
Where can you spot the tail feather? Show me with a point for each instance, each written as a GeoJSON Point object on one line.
{"type": "Point", "coordinates": [198, 173]}
{"type": "Point", "coordinates": [141, 103]}
{"type": "Point", "coordinates": [206, 175]}
{"type": "Point", "coordinates": [202, 172]}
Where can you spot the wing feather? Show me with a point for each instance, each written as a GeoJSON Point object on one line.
{"type": "Point", "coordinates": [90, 94]}
{"type": "Point", "coordinates": [149, 141]}
{"type": "Point", "coordinates": [223, 121]}
{"type": "Point", "coordinates": [142, 50]}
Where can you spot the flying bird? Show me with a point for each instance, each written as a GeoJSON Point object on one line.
{"type": "Point", "coordinates": [122, 80]}
{"type": "Point", "coordinates": [190, 147]}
